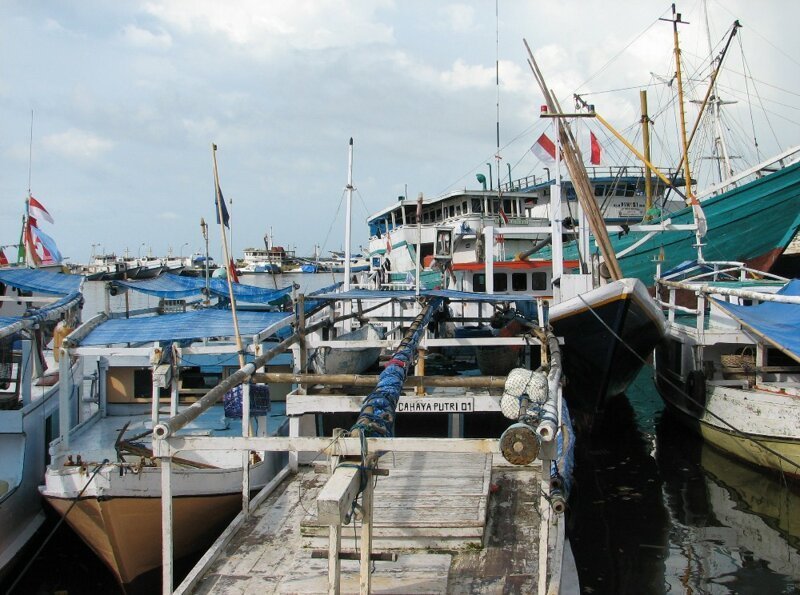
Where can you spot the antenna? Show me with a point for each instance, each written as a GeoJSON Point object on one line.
{"type": "Point", "coordinates": [30, 156]}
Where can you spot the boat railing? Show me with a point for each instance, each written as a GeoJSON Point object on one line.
{"type": "Point", "coordinates": [542, 438]}
{"type": "Point", "coordinates": [612, 172]}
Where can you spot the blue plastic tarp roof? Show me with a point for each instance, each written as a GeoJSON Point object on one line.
{"type": "Point", "coordinates": [775, 322]}
{"type": "Point", "coordinates": [41, 281]}
{"type": "Point", "coordinates": [407, 295]}
{"type": "Point", "coordinates": [176, 287]}
{"type": "Point", "coordinates": [183, 326]}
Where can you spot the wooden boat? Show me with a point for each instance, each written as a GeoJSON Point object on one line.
{"type": "Point", "coordinates": [34, 306]}
{"type": "Point", "coordinates": [355, 357]}
{"type": "Point", "coordinates": [436, 514]}
{"type": "Point", "coordinates": [103, 476]}
{"type": "Point", "coordinates": [728, 366]}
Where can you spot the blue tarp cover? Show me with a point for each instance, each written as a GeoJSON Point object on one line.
{"type": "Point", "coordinates": [184, 326]}
{"type": "Point", "coordinates": [176, 287]}
{"type": "Point", "coordinates": [41, 281]}
{"type": "Point", "coordinates": [777, 323]}
{"type": "Point", "coordinates": [407, 295]}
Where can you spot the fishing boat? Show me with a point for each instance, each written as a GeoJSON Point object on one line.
{"type": "Point", "coordinates": [103, 477]}
{"type": "Point", "coordinates": [432, 492]}
{"type": "Point", "coordinates": [36, 307]}
{"type": "Point", "coordinates": [729, 364]}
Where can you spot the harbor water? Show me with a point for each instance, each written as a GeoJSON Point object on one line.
{"type": "Point", "coordinates": [653, 509]}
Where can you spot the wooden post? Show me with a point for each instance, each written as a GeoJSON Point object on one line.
{"type": "Point", "coordinates": [166, 526]}
{"type": "Point", "coordinates": [366, 536]}
{"type": "Point", "coordinates": [334, 561]}
{"type": "Point", "coordinates": [420, 371]}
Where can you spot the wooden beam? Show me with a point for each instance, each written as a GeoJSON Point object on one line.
{"type": "Point", "coordinates": [372, 380]}
{"type": "Point", "coordinates": [336, 497]}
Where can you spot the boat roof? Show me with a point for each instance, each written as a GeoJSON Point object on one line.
{"type": "Point", "coordinates": [41, 281]}
{"type": "Point", "coordinates": [177, 287]}
{"type": "Point", "coordinates": [775, 322]}
{"type": "Point", "coordinates": [183, 326]}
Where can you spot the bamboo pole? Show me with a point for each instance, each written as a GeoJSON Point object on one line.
{"type": "Point", "coordinates": [226, 256]}
{"type": "Point", "coordinates": [372, 380]}
{"type": "Point", "coordinates": [578, 174]}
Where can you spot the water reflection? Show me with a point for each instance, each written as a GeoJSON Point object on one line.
{"type": "Point", "coordinates": [618, 526]}
{"type": "Point", "coordinates": [734, 529]}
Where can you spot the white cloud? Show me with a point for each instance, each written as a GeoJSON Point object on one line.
{"type": "Point", "coordinates": [77, 144]}
{"type": "Point", "coordinates": [460, 17]}
{"type": "Point", "coordinates": [262, 28]}
{"type": "Point", "coordinates": [142, 38]}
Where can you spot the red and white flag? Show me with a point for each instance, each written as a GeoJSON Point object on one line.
{"type": "Point", "coordinates": [388, 244]}
{"type": "Point", "coordinates": [595, 149]}
{"type": "Point", "coordinates": [3, 259]}
{"type": "Point", "coordinates": [544, 149]}
{"type": "Point", "coordinates": [37, 210]}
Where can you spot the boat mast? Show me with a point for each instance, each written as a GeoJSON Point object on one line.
{"type": "Point", "coordinates": [676, 19]}
{"type": "Point", "coordinates": [720, 146]}
{"type": "Point", "coordinates": [227, 259]}
{"type": "Point", "coordinates": [648, 185]}
{"type": "Point", "coordinates": [347, 223]}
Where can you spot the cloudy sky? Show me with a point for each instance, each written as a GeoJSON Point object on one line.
{"type": "Point", "coordinates": [127, 98]}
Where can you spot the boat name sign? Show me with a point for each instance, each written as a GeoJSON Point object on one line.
{"type": "Point", "coordinates": [436, 405]}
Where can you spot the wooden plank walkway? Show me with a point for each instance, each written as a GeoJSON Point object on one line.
{"type": "Point", "coordinates": [431, 512]}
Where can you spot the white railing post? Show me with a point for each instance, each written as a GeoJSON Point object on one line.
{"type": "Point", "coordinates": [166, 525]}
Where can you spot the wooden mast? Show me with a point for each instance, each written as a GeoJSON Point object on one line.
{"type": "Point", "coordinates": [648, 185]}
{"type": "Point", "coordinates": [226, 256]}
{"type": "Point", "coordinates": [577, 172]}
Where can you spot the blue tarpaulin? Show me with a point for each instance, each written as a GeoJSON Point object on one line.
{"type": "Point", "coordinates": [175, 287]}
{"type": "Point", "coordinates": [184, 326]}
{"type": "Point", "coordinates": [41, 281]}
{"type": "Point", "coordinates": [775, 322]}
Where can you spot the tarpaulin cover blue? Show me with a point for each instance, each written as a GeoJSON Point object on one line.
{"type": "Point", "coordinates": [375, 294]}
{"type": "Point", "coordinates": [184, 326]}
{"type": "Point", "coordinates": [175, 287]}
{"type": "Point", "coordinates": [41, 281]}
{"type": "Point", "coordinates": [776, 322]}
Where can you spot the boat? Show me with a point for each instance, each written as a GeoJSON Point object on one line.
{"type": "Point", "coordinates": [270, 259]}
{"type": "Point", "coordinates": [353, 359]}
{"type": "Point", "coordinates": [108, 267]}
{"type": "Point", "coordinates": [439, 503]}
{"type": "Point", "coordinates": [103, 478]}
{"type": "Point", "coordinates": [149, 267]}
{"type": "Point", "coordinates": [36, 307]}
{"type": "Point", "coordinates": [729, 364]}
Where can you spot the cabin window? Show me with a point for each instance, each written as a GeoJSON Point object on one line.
{"type": "Point", "coordinates": [500, 282]}
{"type": "Point", "coordinates": [600, 190]}
{"type": "Point", "coordinates": [630, 190]}
{"type": "Point", "coordinates": [538, 281]}
{"type": "Point", "coordinates": [477, 205]}
{"type": "Point", "coordinates": [519, 282]}
{"type": "Point", "coordinates": [507, 206]}
{"type": "Point", "coordinates": [452, 210]}
{"type": "Point", "coordinates": [142, 383]}
{"type": "Point", "coordinates": [464, 207]}
{"type": "Point", "coordinates": [495, 206]}
{"type": "Point", "coordinates": [479, 282]}
{"type": "Point", "coordinates": [426, 217]}
{"type": "Point", "coordinates": [458, 209]}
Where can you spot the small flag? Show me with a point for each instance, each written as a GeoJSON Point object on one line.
{"type": "Point", "coordinates": [544, 149]}
{"type": "Point", "coordinates": [3, 259]}
{"type": "Point", "coordinates": [222, 208]}
{"type": "Point", "coordinates": [388, 244]}
{"type": "Point", "coordinates": [232, 271]}
{"type": "Point", "coordinates": [503, 216]}
{"type": "Point", "coordinates": [595, 149]}
{"type": "Point", "coordinates": [37, 210]}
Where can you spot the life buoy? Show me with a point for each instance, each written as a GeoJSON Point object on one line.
{"type": "Point", "coordinates": [695, 391]}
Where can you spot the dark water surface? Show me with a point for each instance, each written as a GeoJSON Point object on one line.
{"type": "Point", "coordinates": [653, 510]}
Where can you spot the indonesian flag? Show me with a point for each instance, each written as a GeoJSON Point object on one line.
{"type": "Point", "coordinates": [544, 149]}
{"type": "Point", "coordinates": [3, 259]}
{"type": "Point", "coordinates": [595, 149]}
{"type": "Point", "coordinates": [232, 271]}
{"type": "Point", "coordinates": [503, 216]}
{"type": "Point", "coordinates": [388, 244]}
{"type": "Point", "coordinates": [37, 210]}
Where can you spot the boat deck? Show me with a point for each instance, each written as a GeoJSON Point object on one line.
{"type": "Point", "coordinates": [443, 523]}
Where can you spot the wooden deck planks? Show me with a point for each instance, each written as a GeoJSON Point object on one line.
{"type": "Point", "coordinates": [428, 501]}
